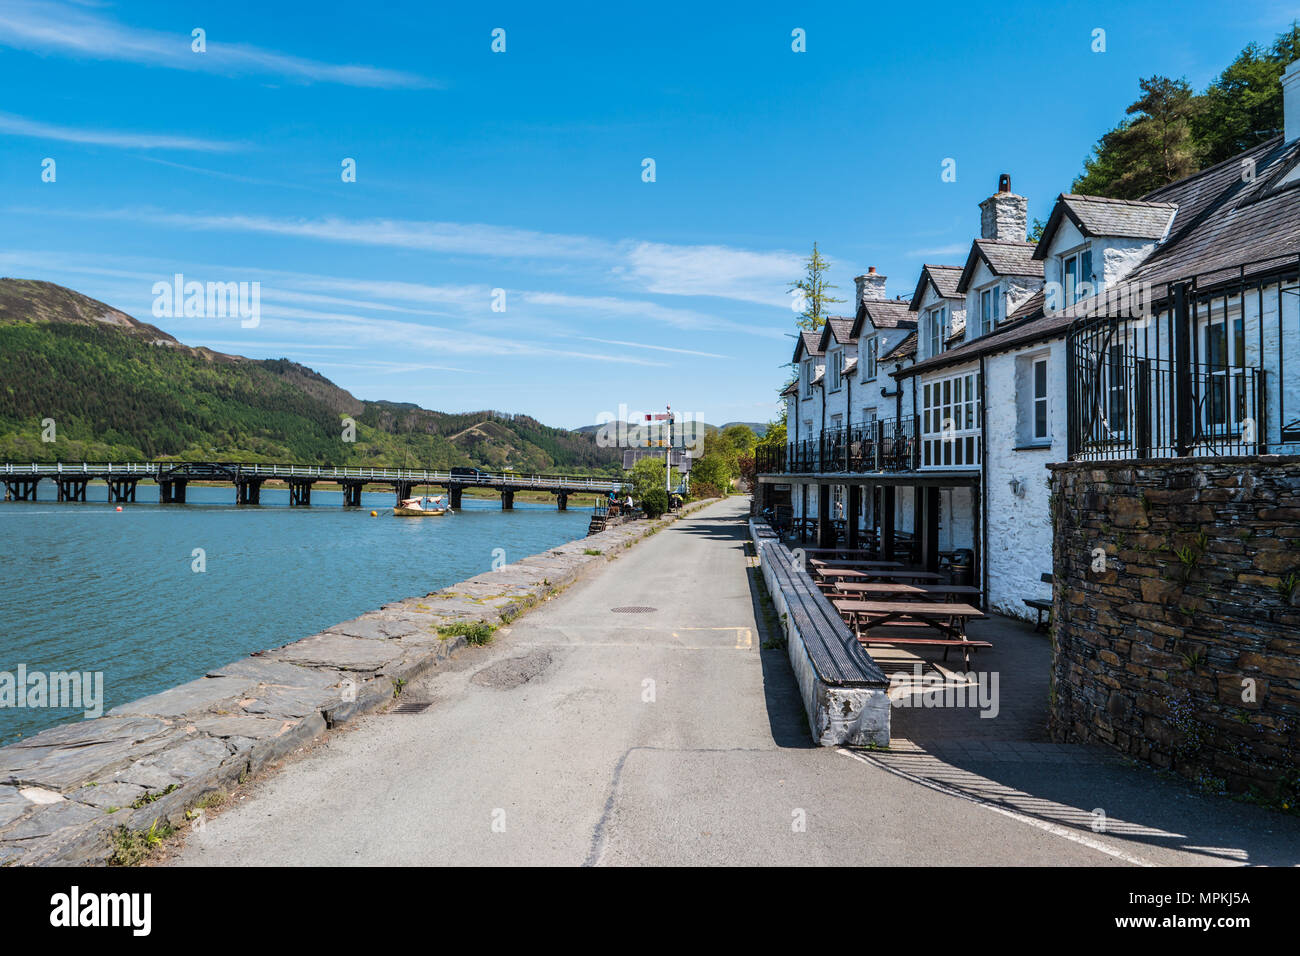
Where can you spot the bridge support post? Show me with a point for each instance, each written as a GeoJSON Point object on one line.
{"type": "Point", "coordinates": [507, 500]}
{"type": "Point", "coordinates": [21, 489]}
{"type": "Point", "coordinates": [562, 501]}
{"type": "Point", "coordinates": [249, 492]}
{"type": "Point", "coordinates": [171, 492]}
{"type": "Point", "coordinates": [72, 489]}
{"type": "Point", "coordinates": [403, 489]}
{"type": "Point", "coordinates": [352, 495]}
{"type": "Point", "coordinates": [122, 489]}
{"type": "Point", "coordinates": [300, 494]}
{"type": "Point", "coordinates": [453, 494]}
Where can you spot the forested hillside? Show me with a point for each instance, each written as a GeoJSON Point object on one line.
{"type": "Point", "coordinates": [1171, 131]}
{"type": "Point", "coordinates": [119, 389]}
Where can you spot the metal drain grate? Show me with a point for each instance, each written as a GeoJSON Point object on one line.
{"type": "Point", "coordinates": [634, 610]}
{"type": "Point", "coordinates": [412, 707]}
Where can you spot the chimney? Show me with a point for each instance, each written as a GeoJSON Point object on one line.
{"type": "Point", "coordinates": [1004, 215]}
{"type": "Point", "coordinates": [1291, 102]}
{"type": "Point", "coordinates": [871, 286]}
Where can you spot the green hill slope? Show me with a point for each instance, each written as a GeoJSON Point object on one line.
{"type": "Point", "coordinates": [120, 389]}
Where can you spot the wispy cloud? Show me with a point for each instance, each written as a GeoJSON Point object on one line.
{"type": "Point", "coordinates": [717, 271]}
{"type": "Point", "coordinates": [759, 277]}
{"type": "Point", "coordinates": [20, 126]}
{"type": "Point", "coordinates": [954, 249]}
{"type": "Point", "coordinates": [47, 27]}
{"type": "Point", "coordinates": [657, 348]}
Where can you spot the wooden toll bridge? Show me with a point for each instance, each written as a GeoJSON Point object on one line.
{"type": "Point", "coordinates": [70, 479]}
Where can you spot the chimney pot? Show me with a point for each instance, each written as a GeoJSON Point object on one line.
{"type": "Point", "coordinates": [1004, 216]}
{"type": "Point", "coordinates": [871, 286]}
{"type": "Point", "coordinates": [1291, 102]}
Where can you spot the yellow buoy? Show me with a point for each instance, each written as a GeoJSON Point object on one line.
{"type": "Point", "coordinates": [374, 514]}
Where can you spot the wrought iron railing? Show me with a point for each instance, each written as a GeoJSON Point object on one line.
{"type": "Point", "coordinates": [884, 445]}
{"type": "Point", "coordinates": [1203, 372]}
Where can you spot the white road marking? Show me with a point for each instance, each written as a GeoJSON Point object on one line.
{"type": "Point", "coordinates": [1052, 828]}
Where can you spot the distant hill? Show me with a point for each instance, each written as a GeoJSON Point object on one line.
{"type": "Point", "coordinates": [759, 428]}
{"type": "Point", "coordinates": [118, 389]}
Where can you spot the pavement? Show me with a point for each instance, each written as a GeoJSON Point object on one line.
{"type": "Point", "coordinates": [636, 719]}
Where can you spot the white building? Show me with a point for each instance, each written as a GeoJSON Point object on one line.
{"type": "Point", "coordinates": [1182, 314]}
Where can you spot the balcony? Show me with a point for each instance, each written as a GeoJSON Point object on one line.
{"type": "Point", "coordinates": [1206, 376]}
{"type": "Point", "coordinates": [885, 445]}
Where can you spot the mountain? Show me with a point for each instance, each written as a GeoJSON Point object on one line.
{"type": "Point", "coordinates": [119, 389]}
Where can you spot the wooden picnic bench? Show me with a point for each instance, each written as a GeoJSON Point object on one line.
{"type": "Point", "coordinates": [857, 563]}
{"type": "Point", "coordinates": [948, 618]}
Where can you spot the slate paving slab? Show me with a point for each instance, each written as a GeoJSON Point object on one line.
{"type": "Point", "coordinates": [71, 755]}
{"type": "Point", "coordinates": [176, 765]}
{"type": "Point", "coordinates": [266, 670]}
{"type": "Point", "coordinates": [196, 696]}
{"type": "Point", "coordinates": [337, 651]}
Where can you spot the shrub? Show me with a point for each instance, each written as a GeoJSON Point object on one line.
{"type": "Point", "coordinates": [654, 502]}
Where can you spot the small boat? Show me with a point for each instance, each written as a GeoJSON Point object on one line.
{"type": "Point", "coordinates": [425, 507]}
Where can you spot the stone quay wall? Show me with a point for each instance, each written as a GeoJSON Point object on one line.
{"type": "Point", "coordinates": [1176, 635]}
{"type": "Point", "coordinates": [67, 792]}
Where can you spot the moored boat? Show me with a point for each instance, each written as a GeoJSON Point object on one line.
{"type": "Point", "coordinates": [424, 507]}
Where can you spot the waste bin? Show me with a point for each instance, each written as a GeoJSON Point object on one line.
{"type": "Point", "coordinates": [962, 567]}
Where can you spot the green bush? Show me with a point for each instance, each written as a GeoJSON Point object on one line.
{"type": "Point", "coordinates": [654, 502]}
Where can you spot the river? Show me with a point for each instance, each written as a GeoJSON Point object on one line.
{"type": "Point", "coordinates": [87, 588]}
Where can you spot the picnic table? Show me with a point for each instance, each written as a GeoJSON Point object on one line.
{"type": "Point", "coordinates": [878, 574]}
{"type": "Point", "coordinates": [883, 590]}
{"type": "Point", "coordinates": [853, 563]}
{"type": "Point", "coordinates": [946, 617]}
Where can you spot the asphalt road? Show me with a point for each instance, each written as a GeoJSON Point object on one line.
{"type": "Point", "coordinates": [586, 736]}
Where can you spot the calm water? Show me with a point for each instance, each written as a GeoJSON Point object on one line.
{"type": "Point", "coordinates": [86, 588]}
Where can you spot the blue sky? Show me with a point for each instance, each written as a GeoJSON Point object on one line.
{"type": "Point", "coordinates": [522, 171]}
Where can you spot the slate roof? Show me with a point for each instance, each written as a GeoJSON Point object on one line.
{"type": "Point", "coordinates": [884, 314]}
{"type": "Point", "coordinates": [839, 326]}
{"type": "Point", "coordinates": [809, 342]}
{"type": "Point", "coordinates": [1100, 216]}
{"type": "Point", "coordinates": [1004, 257]}
{"type": "Point", "coordinates": [945, 280]}
{"type": "Point", "coordinates": [1224, 227]}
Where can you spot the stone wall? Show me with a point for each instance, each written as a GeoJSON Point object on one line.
{"type": "Point", "coordinates": [1177, 616]}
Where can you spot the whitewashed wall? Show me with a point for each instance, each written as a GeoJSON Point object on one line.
{"type": "Point", "coordinates": [1020, 528]}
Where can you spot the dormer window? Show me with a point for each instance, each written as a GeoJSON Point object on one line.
{"type": "Point", "coordinates": [807, 378]}
{"type": "Point", "coordinates": [990, 310]}
{"type": "Point", "coordinates": [936, 329]}
{"type": "Point", "coordinates": [837, 370]}
{"type": "Point", "coordinates": [1076, 276]}
{"type": "Point", "coordinates": [872, 352]}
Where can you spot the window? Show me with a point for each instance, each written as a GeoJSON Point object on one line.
{"type": "Point", "coordinates": [1224, 358]}
{"type": "Point", "coordinates": [869, 364]}
{"type": "Point", "coordinates": [837, 370]}
{"type": "Point", "coordinates": [936, 329]}
{"type": "Point", "coordinates": [950, 422]}
{"type": "Point", "coordinates": [990, 309]}
{"type": "Point", "coordinates": [1040, 400]}
{"type": "Point", "coordinates": [1116, 375]}
{"type": "Point", "coordinates": [807, 378]}
{"type": "Point", "coordinates": [1076, 276]}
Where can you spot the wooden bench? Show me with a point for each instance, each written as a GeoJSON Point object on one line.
{"type": "Point", "coordinates": [1041, 606]}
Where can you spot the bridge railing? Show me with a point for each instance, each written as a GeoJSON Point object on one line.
{"type": "Point", "coordinates": [152, 469]}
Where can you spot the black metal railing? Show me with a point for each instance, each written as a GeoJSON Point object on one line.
{"type": "Point", "coordinates": [1189, 374]}
{"type": "Point", "coordinates": [884, 445]}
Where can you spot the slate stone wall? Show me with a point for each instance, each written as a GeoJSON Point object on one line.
{"type": "Point", "coordinates": [1177, 616]}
